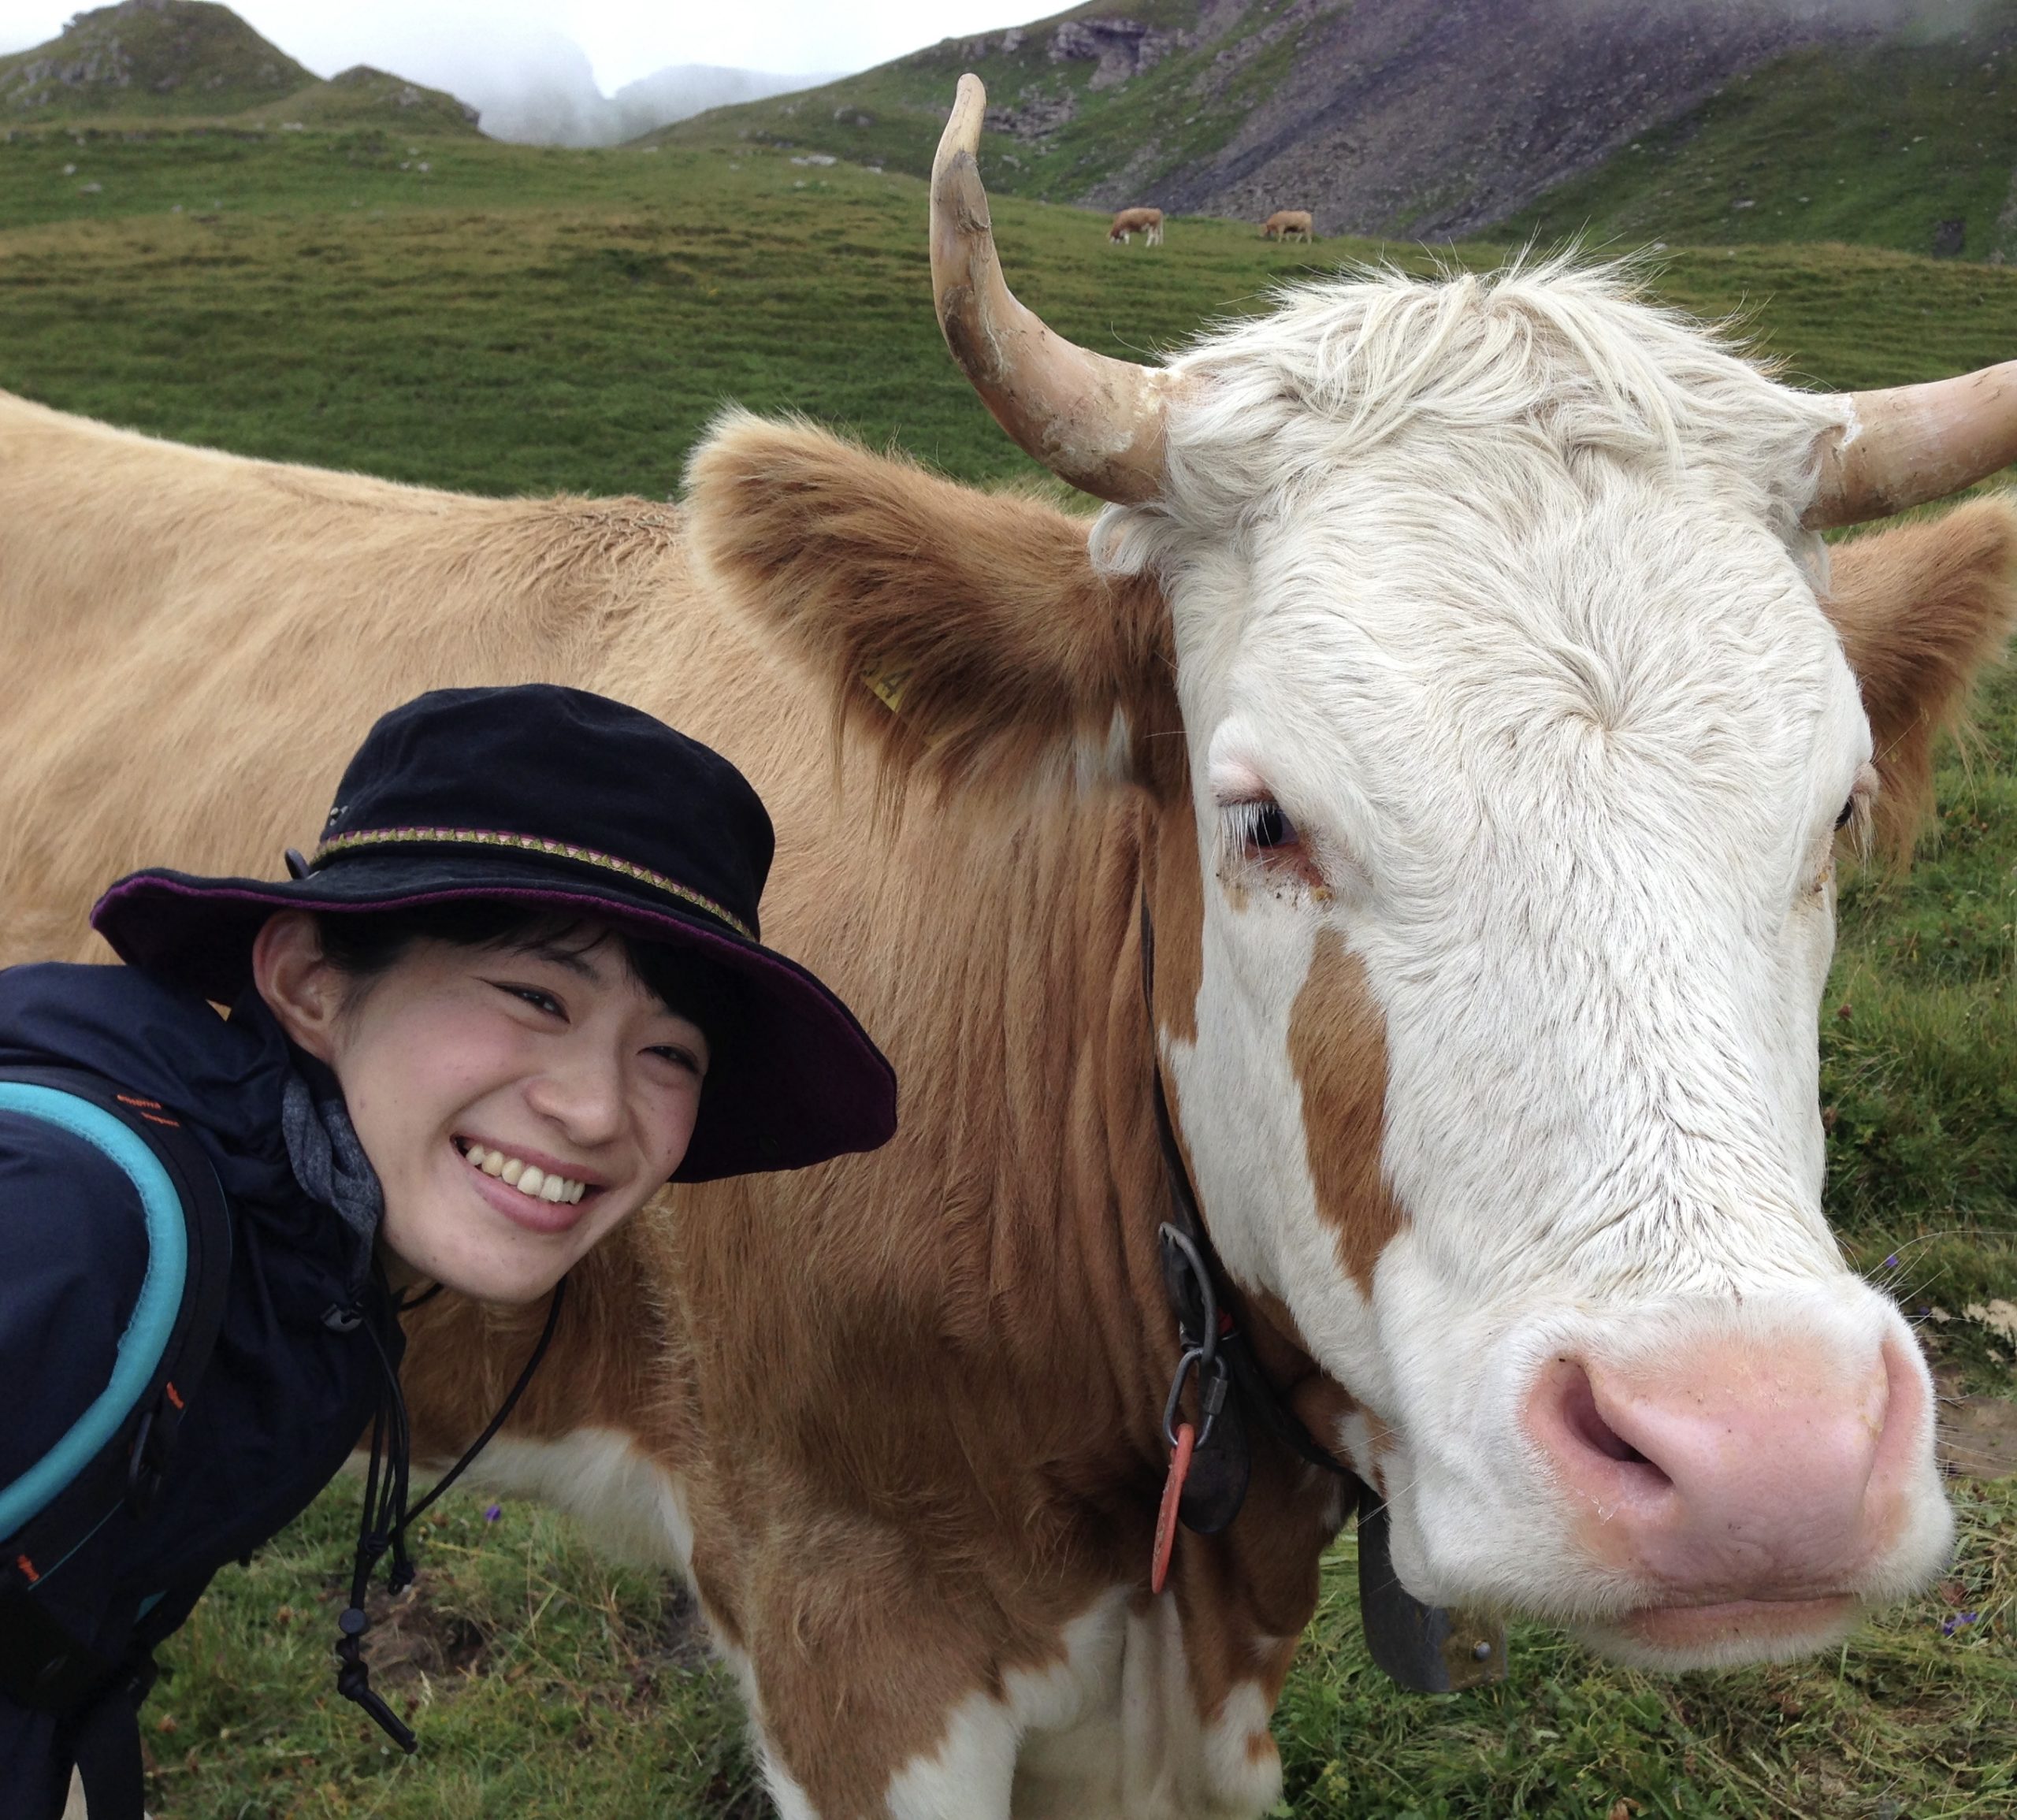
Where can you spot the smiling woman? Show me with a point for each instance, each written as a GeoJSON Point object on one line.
{"type": "Point", "coordinates": [518, 987]}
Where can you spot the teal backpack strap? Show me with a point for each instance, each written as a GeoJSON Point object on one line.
{"type": "Point", "coordinates": [113, 1457]}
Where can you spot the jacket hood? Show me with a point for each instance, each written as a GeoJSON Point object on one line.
{"type": "Point", "coordinates": [225, 1079]}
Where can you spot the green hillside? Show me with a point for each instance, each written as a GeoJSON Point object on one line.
{"type": "Point", "coordinates": [148, 57]}
{"type": "Point", "coordinates": [506, 318]}
{"type": "Point", "coordinates": [1911, 145]}
{"type": "Point", "coordinates": [891, 115]}
{"type": "Point", "coordinates": [363, 97]}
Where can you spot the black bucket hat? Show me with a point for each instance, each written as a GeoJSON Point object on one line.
{"type": "Point", "coordinates": [560, 801]}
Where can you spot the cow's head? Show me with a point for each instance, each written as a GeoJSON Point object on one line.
{"type": "Point", "coordinates": [1523, 722]}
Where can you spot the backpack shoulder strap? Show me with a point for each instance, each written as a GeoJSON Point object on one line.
{"type": "Point", "coordinates": [116, 1452]}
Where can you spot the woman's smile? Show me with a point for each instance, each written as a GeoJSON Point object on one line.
{"type": "Point", "coordinates": [530, 1186]}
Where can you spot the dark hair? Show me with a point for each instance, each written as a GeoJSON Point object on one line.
{"type": "Point", "coordinates": [364, 945]}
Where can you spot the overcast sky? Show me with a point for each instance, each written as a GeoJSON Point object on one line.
{"type": "Point", "coordinates": [622, 39]}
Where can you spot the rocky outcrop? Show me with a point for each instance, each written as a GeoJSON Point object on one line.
{"type": "Point", "coordinates": [1121, 48]}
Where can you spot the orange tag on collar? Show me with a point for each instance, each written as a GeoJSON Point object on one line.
{"type": "Point", "coordinates": [1180, 1470]}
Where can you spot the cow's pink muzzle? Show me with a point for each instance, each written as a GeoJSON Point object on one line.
{"type": "Point", "coordinates": [1740, 1487]}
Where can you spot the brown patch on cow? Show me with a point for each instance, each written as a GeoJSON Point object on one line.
{"type": "Point", "coordinates": [1177, 899]}
{"type": "Point", "coordinates": [1338, 1048]}
{"type": "Point", "coordinates": [1016, 658]}
{"type": "Point", "coordinates": [1921, 607]}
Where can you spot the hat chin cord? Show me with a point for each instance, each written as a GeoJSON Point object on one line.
{"type": "Point", "coordinates": [385, 1518]}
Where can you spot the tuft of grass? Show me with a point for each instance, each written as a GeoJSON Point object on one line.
{"type": "Point", "coordinates": [542, 1679]}
{"type": "Point", "coordinates": [1916, 1711]}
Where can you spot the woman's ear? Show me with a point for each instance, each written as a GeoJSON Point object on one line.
{"type": "Point", "coordinates": [304, 991]}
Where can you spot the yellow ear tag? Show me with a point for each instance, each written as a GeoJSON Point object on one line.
{"type": "Point", "coordinates": [887, 686]}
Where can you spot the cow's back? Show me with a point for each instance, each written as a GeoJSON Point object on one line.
{"type": "Point", "coordinates": [191, 640]}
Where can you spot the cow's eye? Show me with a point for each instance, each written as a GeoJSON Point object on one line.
{"type": "Point", "coordinates": [1258, 828]}
{"type": "Point", "coordinates": [1848, 815]}
{"type": "Point", "coordinates": [1259, 836]}
{"type": "Point", "coordinates": [1270, 828]}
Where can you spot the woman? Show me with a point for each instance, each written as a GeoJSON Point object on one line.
{"type": "Point", "coordinates": [518, 988]}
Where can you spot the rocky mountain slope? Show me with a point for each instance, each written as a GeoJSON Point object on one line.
{"type": "Point", "coordinates": [148, 57]}
{"type": "Point", "coordinates": [1427, 119]}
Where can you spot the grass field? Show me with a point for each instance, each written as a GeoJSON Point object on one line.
{"type": "Point", "coordinates": [506, 319]}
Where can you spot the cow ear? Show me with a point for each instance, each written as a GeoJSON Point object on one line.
{"type": "Point", "coordinates": [967, 635]}
{"type": "Point", "coordinates": [1921, 608]}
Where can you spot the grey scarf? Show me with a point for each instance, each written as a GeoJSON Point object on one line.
{"type": "Point", "coordinates": [330, 1164]}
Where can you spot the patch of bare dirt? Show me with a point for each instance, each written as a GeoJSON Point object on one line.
{"type": "Point", "coordinates": [410, 1636]}
{"type": "Point", "coordinates": [1979, 1436]}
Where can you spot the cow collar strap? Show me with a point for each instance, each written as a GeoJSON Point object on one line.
{"type": "Point", "coordinates": [1425, 1648]}
{"type": "Point", "coordinates": [1232, 1387]}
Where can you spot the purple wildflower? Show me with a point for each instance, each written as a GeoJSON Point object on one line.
{"type": "Point", "coordinates": [1959, 1621]}
{"type": "Point", "coordinates": [495, 1512]}
{"type": "Point", "coordinates": [1891, 1263]}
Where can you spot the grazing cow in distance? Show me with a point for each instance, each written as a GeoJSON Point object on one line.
{"type": "Point", "coordinates": [1426, 772]}
{"type": "Point", "coordinates": [1288, 225]}
{"type": "Point", "coordinates": [1146, 222]}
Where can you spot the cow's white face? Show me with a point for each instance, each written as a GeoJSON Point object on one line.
{"type": "Point", "coordinates": [1518, 742]}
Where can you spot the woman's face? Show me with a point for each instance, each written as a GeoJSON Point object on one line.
{"type": "Point", "coordinates": [516, 1102]}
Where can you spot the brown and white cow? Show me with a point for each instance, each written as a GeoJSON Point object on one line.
{"type": "Point", "coordinates": [1288, 225]}
{"type": "Point", "coordinates": [1459, 679]}
{"type": "Point", "coordinates": [1146, 222]}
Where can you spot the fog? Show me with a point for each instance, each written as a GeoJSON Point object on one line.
{"type": "Point", "coordinates": [536, 86]}
{"type": "Point", "coordinates": [585, 71]}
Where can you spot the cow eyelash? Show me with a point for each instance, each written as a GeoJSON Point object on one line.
{"type": "Point", "coordinates": [1259, 840]}
{"type": "Point", "coordinates": [1257, 827]}
{"type": "Point", "coordinates": [1858, 813]}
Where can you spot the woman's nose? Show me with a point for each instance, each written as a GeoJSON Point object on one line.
{"type": "Point", "coordinates": [583, 1095]}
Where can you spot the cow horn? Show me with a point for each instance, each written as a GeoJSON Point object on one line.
{"type": "Point", "coordinates": [1916, 443]}
{"type": "Point", "coordinates": [1093, 421]}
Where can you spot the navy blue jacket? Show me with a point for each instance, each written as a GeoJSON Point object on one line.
{"type": "Point", "coordinates": [286, 1395]}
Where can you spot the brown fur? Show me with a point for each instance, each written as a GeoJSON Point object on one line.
{"type": "Point", "coordinates": [1921, 607]}
{"type": "Point", "coordinates": [1288, 225]}
{"type": "Point", "coordinates": [866, 566]}
{"type": "Point", "coordinates": [1145, 221]}
{"type": "Point", "coordinates": [1338, 1047]}
{"type": "Point", "coordinates": [913, 1398]}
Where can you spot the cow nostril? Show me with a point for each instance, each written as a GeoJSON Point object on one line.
{"type": "Point", "coordinates": [1585, 1422]}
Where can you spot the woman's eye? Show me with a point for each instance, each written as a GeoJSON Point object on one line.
{"type": "Point", "coordinates": [532, 995]}
{"type": "Point", "coordinates": [681, 1058]}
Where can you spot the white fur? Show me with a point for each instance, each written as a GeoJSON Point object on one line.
{"type": "Point", "coordinates": [629, 1504]}
{"type": "Point", "coordinates": [1112, 1732]}
{"type": "Point", "coordinates": [1498, 587]}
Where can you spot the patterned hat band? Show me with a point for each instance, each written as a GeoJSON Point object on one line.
{"type": "Point", "coordinates": [368, 838]}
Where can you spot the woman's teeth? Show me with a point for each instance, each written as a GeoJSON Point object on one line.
{"type": "Point", "coordinates": [524, 1176]}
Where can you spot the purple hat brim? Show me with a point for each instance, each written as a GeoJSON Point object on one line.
{"type": "Point", "coordinates": [799, 1081]}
